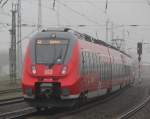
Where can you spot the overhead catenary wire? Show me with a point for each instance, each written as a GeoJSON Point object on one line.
{"type": "Point", "coordinates": [104, 1]}
{"type": "Point", "coordinates": [80, 14]}
{"type": "Point", "coordinates": [75, 11]}
{"type": "Point", "coordinates": [4, 3]}
{"type": "Point", "coordinates": [27, 36]}
{"type": "Point", "coordinates": [51, 9]}
{"type": "Point", "coordinates": [1, 1]}
{"type": "Point", "coordinates": [94, 6]}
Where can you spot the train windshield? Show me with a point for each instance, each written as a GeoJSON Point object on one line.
{"type": "Point", "coordinates": [50, 51]}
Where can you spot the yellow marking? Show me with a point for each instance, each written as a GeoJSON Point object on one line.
{"type": "Point", "coordinates": [55, 42]}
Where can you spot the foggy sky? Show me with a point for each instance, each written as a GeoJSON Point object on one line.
{"type": "Point", "coordinates": [86, 12]}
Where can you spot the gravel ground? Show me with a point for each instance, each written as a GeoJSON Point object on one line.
{"type": "Point", "coordinates": [7, 84]}
{"type": "Point", "coordinates": [10, 95]}
{"type": "Point", "coordinates": [13, 107]}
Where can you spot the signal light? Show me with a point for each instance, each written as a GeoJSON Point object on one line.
{"type": "Point", "coordinates": [139, 58]}
{"type": "Point", "coordinates": [139, 48]}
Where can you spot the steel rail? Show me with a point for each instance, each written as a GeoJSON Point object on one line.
{"type": "Point", "coordinates": [134, 110]}
{"type": "Point", "coordinates": [11, 101]}
{"type": "Point", "coordinates": [9, 91]}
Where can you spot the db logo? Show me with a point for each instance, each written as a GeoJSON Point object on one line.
{"type": "Point", "coordinates": [48, 71]}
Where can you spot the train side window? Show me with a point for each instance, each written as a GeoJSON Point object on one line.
{"type": "Point", "coordinates": [109, 71]}
{"type": "Point", "coordinates": [102, 69]}
{"type": "Point", "coordinates": [89, 61]}
{"type": "Point", "coordinates": [116, 70]}
{"type": "Point", "coordinates": [86, 57]}
{"type": "Point", "coordinates": [85, 63]}
{"type": "Point", "coordinates": [112, 70]}
{"type": "Point", "coordinates": [119, 70]}
{"type": "Point", "coordinates": [96, 63]}
{"type": "Point", "coordinates": [105, 68]}
{"type": "Point", "coordinates": [99, 64]}
{"type": "Point", "coordinates": [81, 63]}
{"type": "Point", "coordinates": [93, 62]}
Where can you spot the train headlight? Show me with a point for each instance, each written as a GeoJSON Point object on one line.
{"type": "Point", "coordinates": [33, 69]}
{"type": "Point", "coordinates": [64, 70]}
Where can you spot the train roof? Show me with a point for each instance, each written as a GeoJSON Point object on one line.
{"type": "Point", "coordinates": [85, 36]}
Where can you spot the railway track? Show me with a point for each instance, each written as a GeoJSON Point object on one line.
{"type": "Point", "coordinates": [21, 113]}
{"type": "Point", "coordinates": [11, 101]}
{"type": "Point", "coordinates": [134, 110]}
{"type": "Point", "coordinates": [10, 91]}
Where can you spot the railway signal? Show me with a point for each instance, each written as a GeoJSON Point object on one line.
{"type": "Point", "coordinates": [139, 50]}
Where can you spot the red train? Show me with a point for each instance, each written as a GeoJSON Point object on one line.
{"type": "Point", "coordinates": [63, 67]}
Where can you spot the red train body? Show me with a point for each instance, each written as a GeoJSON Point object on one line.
{"type": "Point", "coordinates": [62, 66]}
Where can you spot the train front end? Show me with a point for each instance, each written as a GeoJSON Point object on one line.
{"type": "Point", "coordinates": [51, 70]}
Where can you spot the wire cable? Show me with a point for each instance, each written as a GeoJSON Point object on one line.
{"type": "Point", "coordinates": [92, 4]}
{"type": "Point", "coordinates": [1, 1]}
{"type": "Point", "coordinates": [4, 3]}
{"type": "Point", "coordinates": [80, 14]}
